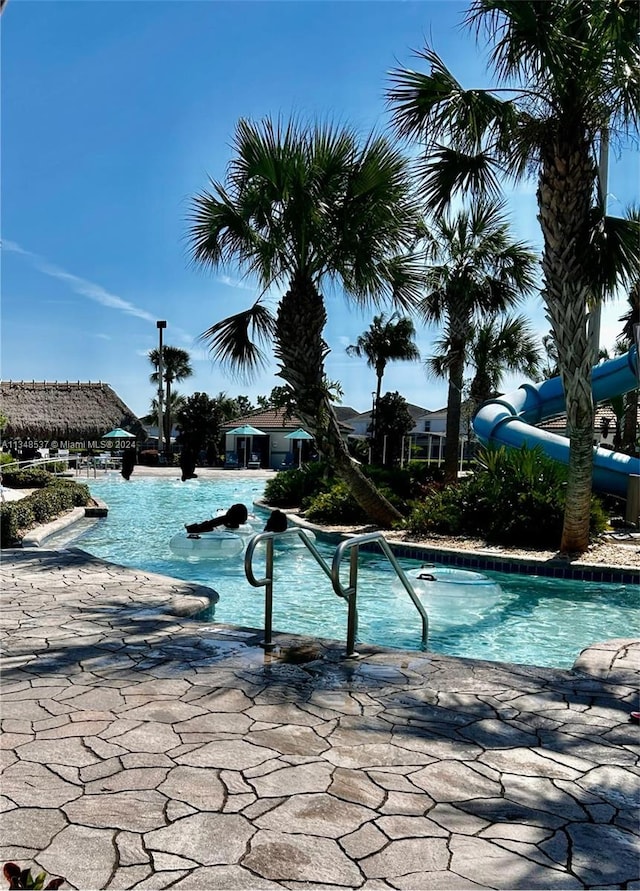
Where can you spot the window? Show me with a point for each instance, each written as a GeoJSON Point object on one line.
{"type": "Point", "coordinates": [427, 426]}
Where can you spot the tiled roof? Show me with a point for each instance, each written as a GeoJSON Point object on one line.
{"type": "Point", "coordinates": [558, 423]}
{"type": "Point", "coordinates": [272, 419]}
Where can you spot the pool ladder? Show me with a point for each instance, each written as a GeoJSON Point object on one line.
{"type": "Point", "coordinates": [348, 593]}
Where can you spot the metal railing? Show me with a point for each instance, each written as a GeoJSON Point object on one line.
{"type": "Point", "coordinates": [33, 462]}
{"type": "Point", "coordinates": [348, 593]}
{"type": "Point", "coordinates": [93, 464]}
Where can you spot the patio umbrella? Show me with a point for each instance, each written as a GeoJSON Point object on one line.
{"type": "Point", "coordinates": [299, 434]}
{"type": "Point", "coordinates": [119, 433]}
{"type": "Point", "coordinates": [246, 430]}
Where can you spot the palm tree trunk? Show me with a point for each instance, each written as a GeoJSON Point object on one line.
{"type": "Point", "coordinates": [564, 199]}
{"type": "Point", "coordinates": [376, 450]}
{"type": "Point", "coordinates": [454, 405]}
{"type": "Point", "coordinates": [301, 350]}
{"type": "Point", "coordinates": [630, 423]}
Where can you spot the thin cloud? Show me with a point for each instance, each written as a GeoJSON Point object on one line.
{"type": "Point", "coordinates": [80, 285]}
{"type": "Point", "coordinates": [234, 283]}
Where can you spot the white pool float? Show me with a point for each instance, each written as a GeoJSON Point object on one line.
{"type": "Point", "coordinates": [215, 544]}
{"type": "Point", "coordinates": [452, 596]}
{"type": "Point", "coordinates": [289, 542]}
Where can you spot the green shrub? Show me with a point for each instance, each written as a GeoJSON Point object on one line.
{"type": "Point", "coordinates": [6, 458]}
{"type": "Point", "coordinates": [290, 488]}
{"type": "Point", "coordinates": [516, 497]}
{"type": "Point", "coordinates": [27, 478]}
{"type": "Point", "coordinates": [334, 506]}
{"type": "Point", "coordinates": [16, 517]}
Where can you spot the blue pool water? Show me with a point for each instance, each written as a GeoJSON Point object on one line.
{"type": "Point", "coordinates": [536, 620]}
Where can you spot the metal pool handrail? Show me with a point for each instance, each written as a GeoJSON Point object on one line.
{"type": "Point", "coordinates": [350, 593]}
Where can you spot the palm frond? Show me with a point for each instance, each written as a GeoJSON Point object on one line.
{"type": "Point", "coordinates": [234, 340]}
{"type": "Point", "coordinates": [614, 260]}
{"type": "Point", "coordinates": [447, 172]}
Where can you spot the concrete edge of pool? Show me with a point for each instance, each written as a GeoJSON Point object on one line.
{"type": "Point", "coordinates": [143, 749]}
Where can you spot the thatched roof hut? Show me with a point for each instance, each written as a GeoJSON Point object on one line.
{"type": "Point", "coordinates": [63, 410]}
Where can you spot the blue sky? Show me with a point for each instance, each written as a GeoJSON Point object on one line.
{"type": "Point", "coordinates": [114, 114]}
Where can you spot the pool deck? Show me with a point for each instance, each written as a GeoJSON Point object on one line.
{"type": "Point", "coordinates": [142, 748]}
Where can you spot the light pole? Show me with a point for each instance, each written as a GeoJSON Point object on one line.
{"type": "Point", "coordinates": [373, 422]}
{"type": "Point", "coordinates": [160, 325]}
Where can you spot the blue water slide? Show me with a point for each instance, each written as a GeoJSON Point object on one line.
{"type": "Point", "coordinates": [510, 420]}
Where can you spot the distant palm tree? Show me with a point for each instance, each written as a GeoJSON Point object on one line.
{"type": "Point", "coordinates": [304, 207]}
{"type": "Point", "coordinates": [386, 340]}
{"type": "Point", "coordinates": [177, 401]}
{"type": "Point", "coordinates": [568, 72]}
{"type": "Point", "coordinates": [176, 366]}
{"type": "Point", "coordinates": [475, 267]}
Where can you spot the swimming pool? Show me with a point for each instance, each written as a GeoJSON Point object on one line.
{"type": "Point", "coordinates": [537, 620]}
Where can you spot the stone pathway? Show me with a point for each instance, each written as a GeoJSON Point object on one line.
{"type": "Point", "coordinates": [142, 748]}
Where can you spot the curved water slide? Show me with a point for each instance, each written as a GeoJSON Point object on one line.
{"type": "Point", "coordinates": [510, 420]}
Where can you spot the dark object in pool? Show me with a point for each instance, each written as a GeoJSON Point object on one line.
{"type": "Point", "coordinates": [188, 463]}
{"type": "Point", "coordinates": [128, 463]}
{"type": "Point", "coordinates": [277, 522]}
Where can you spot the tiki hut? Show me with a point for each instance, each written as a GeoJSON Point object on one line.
{"type": "Point", "coordinates": [64, 411]}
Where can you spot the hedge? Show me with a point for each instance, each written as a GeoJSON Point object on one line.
{"type": "Point", "coordinates": [55, 498]}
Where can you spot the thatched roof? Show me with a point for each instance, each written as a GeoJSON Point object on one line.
{"type": "Point", "coordinates": [63, 410]}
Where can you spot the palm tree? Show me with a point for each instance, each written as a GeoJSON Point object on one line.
{"type": "Point", "coordinates": [475, 267]}
{"type": "Point", "coordinates": [570, 72]}
{"type": "Point", "coordinates": [386, 340]}
{"type": "Point", "coordinates": [176, 366]}
{"type": "Point", "coordinates": [501, 344]}
{"type": "Point", "coordinates": [304, 207]}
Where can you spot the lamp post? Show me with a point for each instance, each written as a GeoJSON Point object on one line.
{"type": "Point", "coordinates": [160, 325]}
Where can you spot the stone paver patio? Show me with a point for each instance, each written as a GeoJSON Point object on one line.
{"type": "Point", "coordinates": [142, 748]}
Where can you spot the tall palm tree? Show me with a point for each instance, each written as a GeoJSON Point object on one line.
{"type": "Point", "coordinates": [570, 76]}
{"type": "Point", "coordinates": [176, 366]}
{"type": "Point", "coordinates": [304, 207]}
{"type": "Point", "coordinates": [474, 267]}
{"type": "Point", "coordinates": [386, 340]}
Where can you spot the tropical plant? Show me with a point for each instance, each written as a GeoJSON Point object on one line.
{"type": "Point", "coordinates": [515, 497]}
{"type": "Point", "coordinates": [304, 207]}
{"type": "Point", "coordinates": [550, 368]}
{"type": "Point", "coordinates": [22, 878]}
{"type": "Point", "coordinates": [501, 344]}
{"type": "Point", "coordinates": [176, 400]}
{"type": "Point", "coordinates": [176, 366]}
{"type": "Point", "coordinates": [570, 71]}
{"type": "Point", "coordinates": [386, 340]}
{"type": "Point", "coordinates": [474, 267]}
